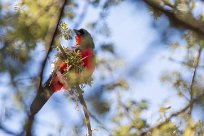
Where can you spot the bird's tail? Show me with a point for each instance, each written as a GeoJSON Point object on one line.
{"type": "Point", "coordinates": [44, 93]}
{"type": "Point", "coordinates": [39, 101]}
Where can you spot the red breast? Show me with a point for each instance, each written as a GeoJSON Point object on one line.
{"type": "Point", "coordinates": [78, 39]}
{"type": "Point", "coordinates": [56, 85]}
{"type": "Point", "coordinates": [62, 67]}
{"type": "Point", "coordinates": [88, 62]}
{"type": "Point", "coordinates": [87, 56]}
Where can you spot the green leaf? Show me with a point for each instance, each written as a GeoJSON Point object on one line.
{"type": "Point", "coordinates": [164, 109]}
{"type": "Point", "coordinates": [182, 8]}
{"type": "Point", "coordinates": [63, 26]}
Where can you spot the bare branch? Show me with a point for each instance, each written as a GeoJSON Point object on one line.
{"type": "Point", "coordinates": [185, 63]}
{"type": "Point", "coordinates": [50, 39]}
{"type": "Point", "coordinates": [196, 62]}
{"type": "Point", "coordinates": [100, 123]}
{"type": "Point", "coordinates": [86, 112]}
{"type": "Point", "coordinates": [181, 19]}
{"type": "Point", "coordinates": [48, 44]}
{"type": "Point", "coordinates": [29, 124]}
{"type": "Point", "coordinates": [6, 130]}
{"type": "Point", "coordinates": [172, 115]}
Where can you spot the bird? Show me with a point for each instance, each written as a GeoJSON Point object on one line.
{"type": "Point", "coordinates": [85, 45]}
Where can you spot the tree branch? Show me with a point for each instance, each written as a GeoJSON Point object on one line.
{"type": "Point", "coordinates": [50, 39]}
{"type": "Point", "coordinates": [196, 62]}
{"type": "Point", "coordinates": [48, 44]}
{"type": "Point", "coordinates": [6, 130]}
{"type": "Point", "coordinates": [100, 123]}
{"type": "Point", "coordinates": [185, 63]}
{"type": "Point", "coordinates": [86, 112]}
{"type": "Point", "coordinates": [172, 115]}
{"type": "Point", "coordinates": [184, 20]}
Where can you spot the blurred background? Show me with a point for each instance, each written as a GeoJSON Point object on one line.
{"type": "Point", "coordinates": [149, 74]}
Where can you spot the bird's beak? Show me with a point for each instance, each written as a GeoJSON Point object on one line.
{"type": "Point", "coordinates": [76, 31]}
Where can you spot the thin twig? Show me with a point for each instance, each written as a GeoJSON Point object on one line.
{"type": "Point", "coordinates": [172, 115]}
{"type": "Point", "coordinates": [185, 63]}
{"type": "Point", "coordinates": [100, 123]}
{"type": "Point", "coordinates": [86, 112]}
{"type": "Point", "coordinates": [192, 23]}
{"type": "Point", "coordinates": [6, 130]}
{"type": "Point", "coordinates": [196, 62]}
{"type": "Point", "coordinates": [62, 50]}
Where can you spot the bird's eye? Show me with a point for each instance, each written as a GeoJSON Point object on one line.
{"type": "Point", "coordinates": [81, 31]}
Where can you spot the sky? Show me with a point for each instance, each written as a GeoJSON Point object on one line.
{"type": "Point", "coordinates": [132, 32]}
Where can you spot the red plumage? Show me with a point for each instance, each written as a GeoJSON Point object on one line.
{"type": "Point", "coordinates": [84, 43]}
{"type": "Point", "coordinates": [56, 85]}
{"type": "Point", "coordinates": [88, 64]}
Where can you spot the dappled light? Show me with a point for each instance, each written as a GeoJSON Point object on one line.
{"type": "Point", "coordinates": [102, 68]}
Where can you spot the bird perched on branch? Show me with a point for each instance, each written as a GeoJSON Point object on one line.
{"type": "Point", "coordinates": [79, 63]}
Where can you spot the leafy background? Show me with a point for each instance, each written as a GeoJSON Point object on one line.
{"type": "Point", "coordinates": [149, 75]}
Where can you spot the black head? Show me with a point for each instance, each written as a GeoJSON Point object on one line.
{"type": "Point", "coordinates": [86, 39]}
